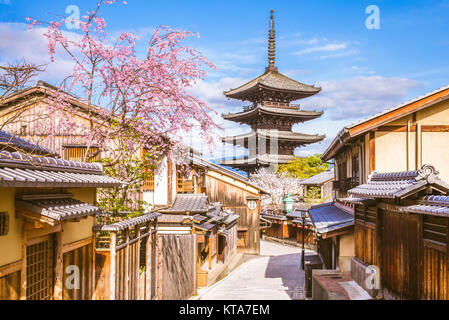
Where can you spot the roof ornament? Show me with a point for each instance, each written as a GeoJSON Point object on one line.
{"type": "Point", "coordinates": [271, 45]}
{"type": "Point", "coordinates": [427, 172]}
{"type": "Point", "coordinates": [371, 175]}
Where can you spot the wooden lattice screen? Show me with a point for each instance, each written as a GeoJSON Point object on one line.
{"type": "Point", "coordinates": [79, 153]}
{"type": "Point", "coordinates": [4, 223]}
{"type": "Point", "coordinates": [184, 184]}
{"type": "Point", "coordinates": [40, 266]}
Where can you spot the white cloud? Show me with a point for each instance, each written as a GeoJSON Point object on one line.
{"type": "Point", "coordinates": [18, 42]}
{"type": "Point", "coordinates": [360, 96]}
{"type": "Point", "coordinates": [324, 48]}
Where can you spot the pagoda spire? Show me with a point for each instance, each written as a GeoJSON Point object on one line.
{"type": "Point", "coordinates": [271, 45]}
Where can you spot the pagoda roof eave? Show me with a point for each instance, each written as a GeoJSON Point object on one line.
{"type": "Point", "coordinates": [273, 111]}
{"type": "Point", "coordinates": [273, 80]}
{"type": "Point", "coordinates": [301, 138]}
{"type": "Point", "coordinates": [265, 159]}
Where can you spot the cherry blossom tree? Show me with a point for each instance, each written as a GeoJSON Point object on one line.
{"type": "Point", "coordinates": [278, 185]}
{"type": "Point", "coordinates": [133, 100]}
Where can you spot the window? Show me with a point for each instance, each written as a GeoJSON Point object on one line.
{"type": "Point", "coordinates": [184, 184]}
{"type": "Point", "coordinates": [355, 167]}
{"type": "Point", "coordinates": [4, 223]}
{"type": "Point", "coordinates": [78, 153]}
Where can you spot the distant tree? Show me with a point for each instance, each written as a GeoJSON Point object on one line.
{"type": "Point", "coordinates": [304, 168]}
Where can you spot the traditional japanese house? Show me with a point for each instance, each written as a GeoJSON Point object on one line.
{"type": "Point", "coordinates": [322, 182]}
{"type": "Point", "coordinates": [231, 190]}
{"type": "Point", "coordinates": [271, 116]}
{"type": "Point", "coordinates": [333, 228]}
{"type": "Point", "coordinates": [206, 241]}
{"type": "Point", "coordinates": [47, 210]}
{"type": "Point", "coordinates": [401, 234]}
{"type": "Point", "coordinates": [401, 138]}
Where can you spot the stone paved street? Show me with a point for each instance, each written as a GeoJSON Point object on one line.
{"type": "Point", "coordinates": [274, 275]}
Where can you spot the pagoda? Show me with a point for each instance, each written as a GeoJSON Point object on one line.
{"type": "Point", "coordinates": [271, 116]}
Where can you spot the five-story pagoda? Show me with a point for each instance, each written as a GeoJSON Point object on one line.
{"type": "Point", "coordinates": [271, 116]}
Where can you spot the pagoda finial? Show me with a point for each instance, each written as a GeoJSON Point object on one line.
{"type": "Point", "coordinates": [271, 44]}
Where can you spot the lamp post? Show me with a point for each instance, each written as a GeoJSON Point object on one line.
{"type": "Point", "coordinates": [288, 203]}
{"type": "Point", "coordinates": [304, 216]}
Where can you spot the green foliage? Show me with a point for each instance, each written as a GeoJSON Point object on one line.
{"type": "Point", "coordinates": [119, 200]}
{"type": "Point", "coordinates": [304, 168]}
{"type": "Point", "coordinates": [313, 193]}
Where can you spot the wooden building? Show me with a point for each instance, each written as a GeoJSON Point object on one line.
{"type": "Point", "coordinates": [401, 228]}
{"type": "Point", "coordinates": [271, 116]}
{"type": "Point", "coordinates": [401, 138]}
{"type": "Point", "coordinates": [206, 244]}
{"type": "Point", "coordinates": [323, 182]}
{"type": "Point", "coordinates": [47, 210]}
{"type": "Point", "coordinates": [289, 227]}
{"type": "Point", "coordinates": [333, 227]}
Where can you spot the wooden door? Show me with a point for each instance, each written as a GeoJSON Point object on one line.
{"type": "Point", "coordinates": [401, 253]}
{"type": "Point", "coordinates": [40, 269]}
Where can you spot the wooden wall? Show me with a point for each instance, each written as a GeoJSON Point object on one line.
{"type": "Point", "coordinates": [235, 198]}
{"type": "Point", "coordinates": [10, 286]}
{"type": "Point", "coordinates": [82, 258]}
{"type": "Point", "coordinates": [409, 249]}
{"type": "Point", "coordinates": [176, 266]}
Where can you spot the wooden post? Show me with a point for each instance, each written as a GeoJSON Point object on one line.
{"type": "Point", "coordinates": [112, 266]}
{"type": "Point", "coordinates": [148, 270]}
{"type": "Point", "coordinates": [23, 271]}
{"type": "Point", "coordinates": [127, 265]}
{"type": "Point", "coordinates": [59, 270]}
{"type": "Point", "coordinates": [159, 269]}
{"type": "Point", "coordinates": [94, 240]}
{"type": "Point", "coordinates": [372, 151]}
{"type": "Point", "coordinates": [209, 240]}
{"type": "Point", "coordinates": [195, 258]}
{"type": "Point", "coordinates": [418, 147]}
{"type": "Point", "coordinates": [138, 262]}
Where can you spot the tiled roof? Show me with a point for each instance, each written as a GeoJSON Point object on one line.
{"type": "Point", "coordinates": [9, 142]}
{"type": "Point", "coordinates": [275, 81]}
{"type": "Point", "coordinates": [20, 170]}
{"type": "Point", "coordinates": [294, 113]}
{"type": "Point", "coordinates": [264, 159]}
{"type": "Point", "coordinates": [212, 166]}
{"type": "Point", "coordinates": [300, 138]}
{"type": "Point", "coordinates": [193, 203]}
{"type": "Point", "coordinates": [59, 209]}
{"type": "Point", "coordinates": [129, 223]}
{"type": "Point", "coordinates": [430, 205]}
{"type": "Point", "coordinates": [329, 217]}
{"type": "Point", "coordinates": [399, 184]}
{"type": "Point", "coordinates": [319, 178]}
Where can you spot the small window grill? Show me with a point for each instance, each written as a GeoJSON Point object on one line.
{"type": "Point", "coordinates": [4, 223]}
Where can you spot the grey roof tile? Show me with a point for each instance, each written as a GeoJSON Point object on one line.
{"type": "Point", "coordinates": [329, 216]}
{"type": "Point", "coordinates": [398, 184]}
{"type": "Point", "coordinates": [319, 178]}
{"type": "Point", "coordinates": [15, 143]}
{"type": "Point", "coordinates": [58, 209]}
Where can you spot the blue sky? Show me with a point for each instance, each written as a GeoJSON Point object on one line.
{"type": "Point", "coordinates": [325, 43]}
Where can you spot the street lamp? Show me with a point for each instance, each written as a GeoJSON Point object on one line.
{"type": "Point", "coordinates": [288, 203]}
{"type": "Point", "coordinates": [304, 216]}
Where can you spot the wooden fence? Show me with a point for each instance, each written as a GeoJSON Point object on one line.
{"type": "Point", "coordinates": [126, 262]}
